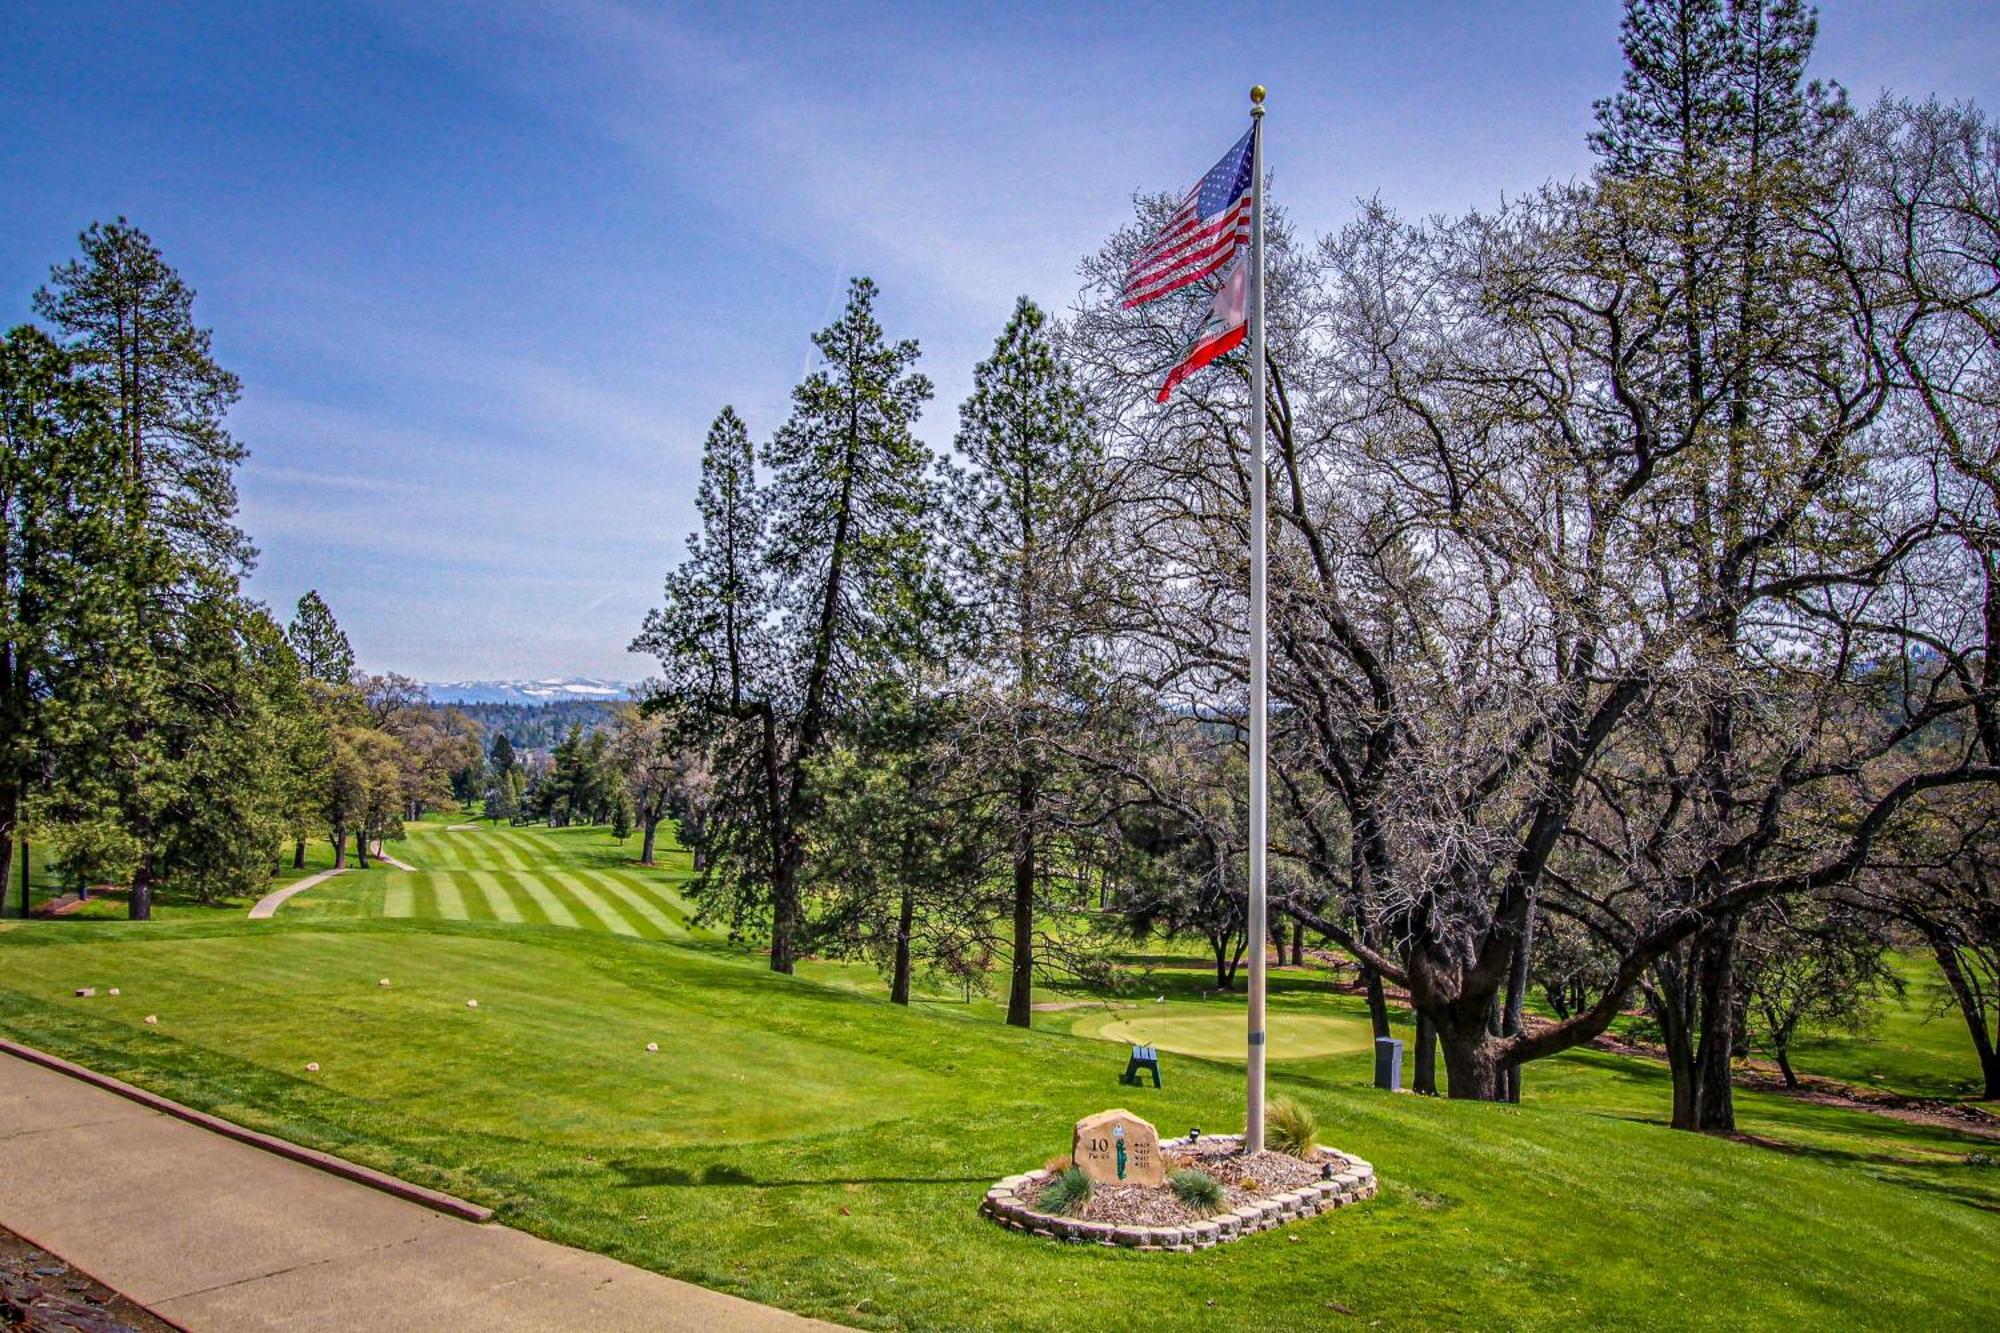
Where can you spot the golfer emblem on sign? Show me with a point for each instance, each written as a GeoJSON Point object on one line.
{"type": "Point", "coordinates": [1118, 1148]}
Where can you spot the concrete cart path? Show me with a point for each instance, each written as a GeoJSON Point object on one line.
{"type": "Point", "coordinates": [217, 1235]}
{"type": "Point", "coordinates": [268, 905]}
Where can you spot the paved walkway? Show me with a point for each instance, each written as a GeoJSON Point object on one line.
{"type": "Point", "coordinates": [268, 905]}
{"type": "Point", "coordinates": [216, 1235]}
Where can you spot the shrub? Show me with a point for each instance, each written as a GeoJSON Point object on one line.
{"type": "Point", "coordinates": [1197, 1189]}
{"type": "Point", "coordinates": [1068, 1193]}
{"type": "Point", "coordinates": [1290, 1127]}
{"type": "Point", "coordinates": [1981, 1159]}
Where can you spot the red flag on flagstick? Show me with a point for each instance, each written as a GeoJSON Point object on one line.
{"type": "Point", "coordinates": [1227, 324]}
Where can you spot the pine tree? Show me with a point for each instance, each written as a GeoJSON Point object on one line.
{"type": "Point", "coordinates": [1026, 517]}
{"type": "Point", "coordinates": [709, 634]}
{"type": "Point", "coordinates": [129, 318]}
{"type": "Point", "coordinates": [795, 600]}
{"type": "Point", "coordinates": [61, 509]}
{"type": "Point", "coordinates": [236, 725]}
{"type": "Point", "coordinates": [556, 799]}
{"type": "Point", "coordinates": [317, 638]}
{"type": "Point", "coordinates": [1714, 162]}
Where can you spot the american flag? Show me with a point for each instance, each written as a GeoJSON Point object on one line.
{"type": "Point", "coordinates": [1201, 236]}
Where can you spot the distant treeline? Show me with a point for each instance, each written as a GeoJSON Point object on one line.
{"type": "Point", "coordinates": [537, 726]}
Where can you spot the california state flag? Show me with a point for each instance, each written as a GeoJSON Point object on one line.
{"type": "Point", "coordinates": [1226, 326]}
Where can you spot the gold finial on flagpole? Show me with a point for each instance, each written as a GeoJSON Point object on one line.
{"type": "Point", "coordinates": [1257, 94]}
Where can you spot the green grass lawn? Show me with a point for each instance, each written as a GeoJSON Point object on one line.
{"type": "Point", "coordinates": [1917, 1046]}
{"type": "Point", "coordinates": [803, 1142]}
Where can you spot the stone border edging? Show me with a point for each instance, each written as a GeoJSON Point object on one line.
{"type": "Point", "coordinates": [435, 1200]}
{"type": "Point", "coordinates": [1354, 1182]}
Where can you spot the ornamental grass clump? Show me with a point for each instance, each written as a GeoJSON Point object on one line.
{"type": "Point", "coordinates": [1197, 1189]}
{"type": "Point", "coordinates": [1068, 1194]}
{"type": "Point", "coordinates": [1290, 1127]}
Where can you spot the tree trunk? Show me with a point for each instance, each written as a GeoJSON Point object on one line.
{"type": "Point", "coordinates": [25, 878]}
{"type": "Point", "coordinates": [142, 891]}
{"type": "Point", "coordinates": [1378, 1002]}
{"type": "Point", "coordinates": [1784, 1054]}
{"type": "Point", "coordinates": [1947, 961]}
{"type": "Point", "coordinates": [1471, 1062]}
{"type": "Point", "coordinates": [899, 987]}
{"type": "Point", "coordinates": [1020, 990]}
{"type": "Point", "coordinates": [299, 854]}
{"type": "Point", "coordinates": [1715, 1104]}
{"type": "Point", "coordinates": [340, 846]}
{"type": "Point", "coordinates": [1298, 943]}
{"type": "Point", "coordinates": [784, 917]}
{"type": "Point", "coordinates": [652, 827]}
{"type": "Point", "coordinates": [1671, 999]}
{"type": "Point", "coordinates": [1517, 996]}
{"type": "Point", "coordinates": [10, 804]}
{"type": "Point", "coordinates": [1425, 1080]}
{"type": "Point", "coordinates": [361, 849]}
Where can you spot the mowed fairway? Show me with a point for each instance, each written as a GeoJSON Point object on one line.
{"type": "Point", "coordinates": [815, 1147]}
{"type": "Point", "coordinates": [578, 878]}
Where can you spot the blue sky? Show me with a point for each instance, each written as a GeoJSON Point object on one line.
{"type": "Point", "coordinates": [487, 270]}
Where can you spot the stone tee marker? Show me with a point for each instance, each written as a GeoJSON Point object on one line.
{"type": "Point", "coordinates": [1118, 1148]}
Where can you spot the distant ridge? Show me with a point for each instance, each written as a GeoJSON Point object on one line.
{"type": "Point", "coordinates": [554, 689]}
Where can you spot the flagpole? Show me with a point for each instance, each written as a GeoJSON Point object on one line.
{"type": "Point", "coordinates": [1253, 1133]}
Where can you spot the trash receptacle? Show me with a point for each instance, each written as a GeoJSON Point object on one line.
{"type": "Point", "coordinates": [1389, 1064]}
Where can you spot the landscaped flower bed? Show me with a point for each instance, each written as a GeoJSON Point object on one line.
{"type": "Point", "coordinates": [1259, 1192]}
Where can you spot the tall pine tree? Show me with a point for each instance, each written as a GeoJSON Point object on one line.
{"type": "Point", "coordinates": [324, 652]}
{"type": "Point", "coordinates": [796, 599]}
{"type": "Point", "coordinates": [1714, 161]}
{"type": "Point", "coordinates": [128, 321]}
{"type": "Point", "coordinates": [129, 318]}
{"type": "Point", "coordinates": [61, 507]}
{"type": "Point", "coordinates": [1025, 524]}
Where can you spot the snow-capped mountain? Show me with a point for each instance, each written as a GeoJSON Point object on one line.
{"type": "Point", "coordinates": [555, 689]}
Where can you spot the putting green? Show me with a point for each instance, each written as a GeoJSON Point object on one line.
{"type": "Point", "coordinates": [1219, 1036]}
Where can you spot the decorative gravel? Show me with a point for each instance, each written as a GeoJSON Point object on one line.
{"type": "Point", "coordinates": [1260, 1191]}
{"type": "Point", "coordinates": [42, 1294]}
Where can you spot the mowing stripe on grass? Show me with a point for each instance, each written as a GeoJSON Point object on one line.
{"type": "Point", "coordinates": [499, 902]}
{"type": "Point", "coordinates": [423, 896]}
{"type": "Point", "coordinates": [663, 900]}
{"type": "Point", "coordinates": [658, 892]}
{"type": "Point", "coordinates": [615, 917]}
{"type": "Point", "coordinates": [535, 851]}
{"type": "Point", "coordinates": [532, 910]}
{"type": "Point", "coordinates": [551, 908]}
{"type": "Point", "coordinates": [443, 855]}
{"type": "Point", "coordinates": [397, 899]}
{"type": "Point", "coordinates": [658, 924]}
{"type": "Point", "coordinates": [451, 901]}
{"type": "Point", "coordinates": [506, 854]}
